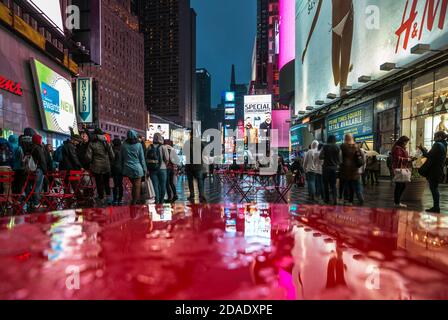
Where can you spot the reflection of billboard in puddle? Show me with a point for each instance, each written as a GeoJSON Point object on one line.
{"type": "Point", "coordinates": [257, 228]}
{"type": "Point", "coordinates": [166, 214]}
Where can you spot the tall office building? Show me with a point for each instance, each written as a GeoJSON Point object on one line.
{"type": "Point", "coordinates": [203, 97]}
{"type": "Point", "coordinates": [169, 27]}
{"type": "Point", "coordinates": [267, 50]}
{"type": "Point", "coordinates": [120, 77]}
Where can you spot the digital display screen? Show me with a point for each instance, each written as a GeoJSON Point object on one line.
{"type": "Point", "coordinates": [55, 98]}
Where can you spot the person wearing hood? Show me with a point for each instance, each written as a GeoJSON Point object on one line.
{"type": "Point", "coordinates": [39, 157]}
{"type": "Point", "coordinates": [313, 170]}
{"type": "Point", "coordinates": [82, 149]}
{"type": "Point", "coordinates": [157, 157]}
{"type": "Point", "coordinates": [133, 164]}
{"type": "Point", "coordinates": [432, 170]}
{"type": "Point", "coordinates": [17, 164]}
{"type": "Point", "coordinates": [100, 156]}
{"type": "Point", "coordinates": [172, 168]}
{"type": "Point", "coordinates": [352, 161]}
{"type": "Point", "coordinates": [26, 140]}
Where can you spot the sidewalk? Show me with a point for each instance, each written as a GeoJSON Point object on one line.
{"type": "Point", "coordinates": [378, 196]}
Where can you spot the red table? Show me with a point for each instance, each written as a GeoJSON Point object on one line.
{"type": "Point", "coordinates": [225, 252]}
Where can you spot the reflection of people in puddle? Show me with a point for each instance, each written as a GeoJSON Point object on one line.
{"type": "Point", "coordinates": [342, 32]}
{"type": "Point", "coordinates": [336, 270]}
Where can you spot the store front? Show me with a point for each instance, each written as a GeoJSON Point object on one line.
{"type": "Point", "coordinates": [425, 108]}
{"type": "Point", "coordinates": [20, 106]}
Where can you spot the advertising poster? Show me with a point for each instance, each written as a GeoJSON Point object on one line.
{"type": "Point", "coordinates": [162, 128]}
{"type": "Point", "coordinates": [357, 121]}
{"type": "Point", "coordinates": [258, 112]}
{"type": "Point", "coordinates": [339, 41]}
{"type": "Point", "coordinates": [55, 97]}
{"type": "Point", "coordinates": [279, 123]}
{"type": "Point", "coordinates": [84, 99]}
{"type": "Point", "coordinates": [52, 11]}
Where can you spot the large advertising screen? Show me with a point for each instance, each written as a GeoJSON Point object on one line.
{"type": "Point", "coordinates": [51, 10]}
{"type": "Point", "coordinates": [258, 112]}
{"type": "Point", "coordinates": [356, 121]}
{"type": "Point", "coordinates": [340, 41]}
{"type": "Point", "coordinates": [287, 32]}
{"type": "Point", "coordinates": [55, 97]}
{"type": "Point", "coordinates": [162, 128]}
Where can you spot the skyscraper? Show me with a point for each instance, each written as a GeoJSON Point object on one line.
{"type": "Point", "coordinates": [203, 96]}
{"type": "Point", "coordinates": [121, 76]}
{"type": "Point", "coordinates": [169, 27]}
{"type": "Point", "coordinates": [267, 49]}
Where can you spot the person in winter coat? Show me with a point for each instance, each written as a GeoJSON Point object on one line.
{"type": "Point", "coordinates": [172, 168]}
{"type": "Point", "coordinates": [313, 170]}
{"type": "Point", "coordinates": [331, 156]}
{"type": "Point", "coordinates": [350, 169]}
{"type": "Point", "coordinates": [17, 165]}
{"type": "Point", "coordinates": [133, 164]}
{"type": "Point", "coordinates": [434, 173]}
{"type": "Point", "coordinates": [157, 157]}
{"type": "Point", "coordinates": [100, 155]}
{"type": "Point", "coordinates": [117, 174]}
{"type": "Point", "coordinates": [26, 140]}
{"type": "Point", "coordinates": [82, 149]}
{"type": "Point", "coordinates": [39, 157]}
{"type": "Point", "coordinates": [70, 160]}
{"type": "Point", "coordinates": [400, 160]}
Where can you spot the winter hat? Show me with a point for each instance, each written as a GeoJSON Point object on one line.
{"type": "Point", "coordinates": [37, 139]}
{"type": "Point", "coordinates": [29, 132]}
{"type": "Point", "coordinates": [132, 134]}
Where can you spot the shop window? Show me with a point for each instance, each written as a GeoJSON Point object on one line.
{"type": "Point", "coordinates": [441, 91]}
{"type": "Point", "coordinates": [423, 95]}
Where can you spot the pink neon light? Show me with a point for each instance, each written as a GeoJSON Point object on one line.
{"type": "Point", "coordinates": [287, 31]}
{"type": "Point", "coordinates": [279, 118]}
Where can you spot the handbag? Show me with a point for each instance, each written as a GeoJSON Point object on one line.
{"type": "Point", "coordinates": [402, 175]}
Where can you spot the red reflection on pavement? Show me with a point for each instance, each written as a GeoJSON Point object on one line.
{"type": "Point", "coordinates": [225, 252]}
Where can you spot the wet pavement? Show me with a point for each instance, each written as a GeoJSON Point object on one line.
{"type": "Point", "coordinates": [225, 252]}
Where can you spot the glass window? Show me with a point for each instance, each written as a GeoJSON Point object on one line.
{"type": "Point", "coordinates": [441, 91]}
{"type": "Point", "coordinates": [407, 100]}
{"type": "Point", "coordinates": [423, 95]}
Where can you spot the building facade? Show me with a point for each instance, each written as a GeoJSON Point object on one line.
{"type": "Point", "coordinates": [120, 78]}
{"type": "Point", "coordinates": [34, 55]}
{"type": "Point", "coordinates": [203, 97]}
{"type": "Point", "coordinates": [170, 59]}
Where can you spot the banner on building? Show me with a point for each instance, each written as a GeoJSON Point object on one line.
{"type": "Point", "coordinates": [84, 99]}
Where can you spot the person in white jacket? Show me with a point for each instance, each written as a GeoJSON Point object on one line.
{"type": "Point", "coordinates": [313, 170]}
{"type": "Point", "coordinates": [173, 171]}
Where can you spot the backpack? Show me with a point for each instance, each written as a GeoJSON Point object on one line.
{"type": "Point", "coordinates": [153, 158]}
{"type": "Point", "coordinates": [29, 163]}
{"type": "Point", "coordinates": [6, 155]}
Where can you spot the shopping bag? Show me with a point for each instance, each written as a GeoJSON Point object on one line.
{"type": "Point", "coordinates": [148, 189]}
{"type": "Point", "coordinates": [402, 175]}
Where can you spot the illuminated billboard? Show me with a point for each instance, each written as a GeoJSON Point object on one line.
{"type": "Point", "coordinates": [281, 123]}
{"type": "Point", "coordinates": [287, 35]}
{"type": "Point", "coordinates": [162, 128]}
{"type": "Point", "coordinates": [55, 98]}
{"type": "Point", "coordinates": [337, 44]}
{"type": "Point", "coordinates": [258, 112]}
{"type": "Point", "coordinates": [51, 10]}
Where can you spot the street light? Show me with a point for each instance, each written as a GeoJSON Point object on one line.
{"type": "Point", "coordinates": [331, 96]}
{"type": "Point", "coordinates": [309, 108]}
{"type": "Point", "coordinates": [302, 113]}
{"type": "Point", "coordinates": [422, 48]}
{"type": "Point", "coordinates": [320, 102]}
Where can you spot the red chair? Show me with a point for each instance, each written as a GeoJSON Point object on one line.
{"type": "Point", "coordinates": [6, 178]}
{"type": "Point", "coordinates": [20, 201]}
{"type": "Point", "coordinates": [53, 198]}
{"type": "Point", "coordinates": [85, 193]}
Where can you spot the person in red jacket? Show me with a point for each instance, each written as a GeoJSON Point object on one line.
{"type": "Point", "coordinates": [400, 160]}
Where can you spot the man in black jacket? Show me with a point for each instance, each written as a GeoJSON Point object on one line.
{"type": "Point", "coordinates": [38, 154]}
{"type": "Point", "coordinates": [70, 160]}
{"type": "Point", "coordinates": [331, 155]}
{"type": "Point", "coordinates": [434, 168]}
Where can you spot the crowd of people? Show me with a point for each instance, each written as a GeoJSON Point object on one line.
{"type": "Point", "coordinates": [155, 169]}
{"type": "Point", "coordinates": [323, 165]}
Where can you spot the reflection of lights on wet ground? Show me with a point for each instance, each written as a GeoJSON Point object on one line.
{"type": "Point", "coordinates": [257, 228]}
{"type": "Point", "coordinates": [165, 214]}
{"type": "Point", "coordinates": [62, 233]}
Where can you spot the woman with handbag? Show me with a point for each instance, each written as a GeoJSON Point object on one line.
{"type": "Point", "coordinates": [400, 167]}
{"type": "Point", "coordinates": [432, 170]}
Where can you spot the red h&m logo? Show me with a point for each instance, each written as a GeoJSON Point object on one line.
{"type": "Point", "coordinates": [413, 28]}
{"type": "Point", "coordinates": [10, 86]}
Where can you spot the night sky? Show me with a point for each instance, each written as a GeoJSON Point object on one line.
{"type": "Point", "coordinates": [226, 32]}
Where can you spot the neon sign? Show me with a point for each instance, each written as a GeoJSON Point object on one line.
{"type": "Point", "coordinates": [10, 86]}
